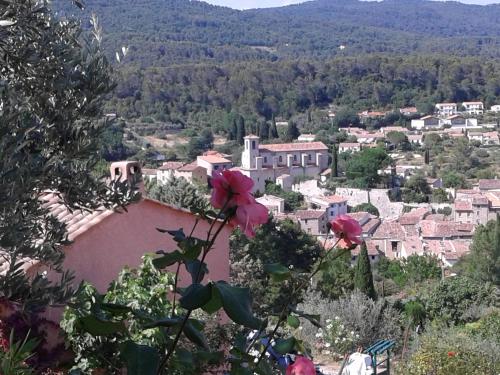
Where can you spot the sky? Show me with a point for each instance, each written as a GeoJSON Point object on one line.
{"type": "Point", "coordinates": [246, 4]}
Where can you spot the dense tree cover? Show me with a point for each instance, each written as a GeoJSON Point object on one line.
{"type": "Point", "coordinates": [363, 278]}
{"type": "Point", "coordinates": [366, 207]}
{"type": "Point", "coordinates": [483, 261]}
{"type": "Point", "coordinates": [205, 94]}
{"type": "Point", "coordinates": [336, 277]}
{"type": "Point", "coordinates": [416, 190]}
{"type": "Point", "coordinates": [52, 83]}
{"type": "Point", "coordinates": [275, 242]}
{"type": "Point", "coordinates": [362, 169]}
{"type": "Point", "coordinates": [409, 271]}
{"type": "Point", "coordinates": [162, 33]}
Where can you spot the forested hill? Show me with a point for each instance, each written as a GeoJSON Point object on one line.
{"type": "Point", "coordinates": [166, 32]}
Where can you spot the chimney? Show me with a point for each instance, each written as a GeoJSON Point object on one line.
{"type": "Point", "coordinates": [128, 171]}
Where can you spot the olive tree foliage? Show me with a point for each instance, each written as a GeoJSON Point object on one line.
{"type": "Point", "coordinates": [52, 80]}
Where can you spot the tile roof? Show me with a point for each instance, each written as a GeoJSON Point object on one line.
{"type": "Point", "coordinates": [408, 109]}
{"type": "Point", "coordinates": [171, 165]}
{"type": "Point", "coordinates": [413, 245]}
{"type": "Point", "coordinates": [445, 229]}
{"type": "Point", "coordinates": [436, 217]}
{"type": "Point", "coordinates": [489, 184]}
{"type": "Point", "coordinates": [449, 249]}
{"type": "Point", "coordinates": [371, 247]}
{"type": "Point", "coordinates": [413, 217]}
{"type": "Point", "coordinates": [189, 167]}
{"type": "Point", "coordinates": [332, 198]}
{"type": "Point", "coordinates": [214, 159]}
{"type": "Point", "coordinates": [349, 145]}
{"type": "Point", "coordinates": [390, 230]}
{"type": "Point", "coordinates": [290, 147]}
{"type": "Point", "coordinates": [309, 214]}
{"type": "Point", "coordinates": [148, 171]}
{"type": "Point", "coordinates": [493, 198]}
{"type": "Point", "coordinates": [463, 206]}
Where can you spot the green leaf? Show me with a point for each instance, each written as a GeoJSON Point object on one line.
{"type": "Point", "coordinates": [237, 304]}
{"type": "Point", "coordinates": [284, 346]}
{"type": "Point", "coordinates": [168, 259]}
{"type": "Point", "coordinates": [193, 332]}
{"type": "Point", "coordinates": [196, 296]}
{"type": "Point", "coordinates": [215, 303]}
{"type": "Point", "coordinates": [277, 271]}
{"type": "Point", "coordinates": [212, 358]}
{"type": "Point", "coordinates": [98, 327]}
{"type": "Point", "coordinates": [264, 368]}
{"type": "Point", "coordinates": [166, 322]}
{"type": "Point", "coordinates": [293, 321]}
{"type": "Point", "coordinates": [193, 267]}
{"type": "Point", "coordinates": [192, 247]}
{"type": "Point", "coordinates": [115, 309]}
{"type": "Point", "coordinates": [314, 319]}
{"type": "Point", "coordinates": [140, 359]}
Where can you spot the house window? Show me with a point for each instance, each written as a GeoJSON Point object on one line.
{"type": "Point", "coordinates": [295, 157]}
{"type": "Point", "coordinates": [331, 213]}
{"type": "Point", "coordinates": [265, 159]}
{"type": "Point", "coordinates": [216, 167]}
{"type": "Point", "coordinates": [373, 257]}
{"type": "Point", "coordinates": [253, 145]}
{"type": "Point", "coordinates": [281, 158]}
{"type": "Point", "coordinates": [309, 157]}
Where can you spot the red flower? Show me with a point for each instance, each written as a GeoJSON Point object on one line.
{"type": "Point", "coordinates": [301, 366]}
{"type": "Point", "coordinates": [230, 189]}
{"type": "Point", "coordinates": [347, 230]}
{"type": "Point", "coordinates": [452, 354]}
{"type": "Point", "coordinates": [249, 216]}
{"type": "Point", "coordinates": [233, 189]}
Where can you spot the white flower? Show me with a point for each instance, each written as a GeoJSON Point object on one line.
{"type": "Point", "coordinates": [337, 318]}
{"type": "Point", "coordinates": [329, 326]}
{"type": "Point", "coordinates": [327, 345]}
{"type": "Point", "coordinates": [328, 320]}
{"type": "Point", "coordinates": [343, 338]}
{"type": "Point", "coordinates": [319, 334]}
{"type": "Point", "coordinates": [300, 328]}
{"type": "Point", "coordinates": [336, 341]}
{"type": "Point", "coordinates": [352, 332]}
{"type": "Point", "coordinates": [326, 352]}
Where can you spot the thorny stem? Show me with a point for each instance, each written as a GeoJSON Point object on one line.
{"type": "Point", "coordinates": [205, 252]}
{"type": "Point", "coordinates": [282, 315]}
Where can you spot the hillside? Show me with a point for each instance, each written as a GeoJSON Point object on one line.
{"type": "Point", "coordinates": [166, 32]}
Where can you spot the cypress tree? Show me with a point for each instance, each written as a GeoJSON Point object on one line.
{"type": "Point", "coordinates": [273, 130]}
{"type": "Point", "coordinates": [292, 132]}
{"type": "Point", "coordinates": [335, 161]}
{"type": "Point", "coordinates": [240, 131]}
{"type": "Point", "coordinates": [496, 252]}
{"type": "Point", "coordinates": [264, 130]}
{"type": "Point", "coordinates": [427, 157]}
{"type": "Point", "coordinates": [363, 278]}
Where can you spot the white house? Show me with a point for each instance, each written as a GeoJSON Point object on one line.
{"type": "Point", "coordinates": [269, 161]}
{"type": "Point", "coordinates": [495, 108]}
{"type": "Point", "coordinates": [459, 122]}
{"type": "Point", "coordinates": [426, 122]}
{"type": "Point", "coordinates": [274, 204]}
{"type": "Point", "coordinates": [306, 138]}
{"type": "Point", "coordinates": [191, 172]}
{"type": "Point", "coordinates": [349, 147]}
{"type": "Point", "coordinates": [486, 138]}
{"type": "Point", "coordinates": [334, 205]}
{"type": "Point", "coordinates": [473, 108]}
{"type": "Point", "coordinates": [446, 109]}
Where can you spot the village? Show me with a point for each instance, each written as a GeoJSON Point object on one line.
{"type": "Point", "coordinates": [400, 229]}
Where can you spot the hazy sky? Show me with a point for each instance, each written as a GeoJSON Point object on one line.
{"type": "Point", "coordinates": [245, 4]}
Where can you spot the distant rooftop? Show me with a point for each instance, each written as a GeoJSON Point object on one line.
{"type": "Point", "coordinates": [290, 147]}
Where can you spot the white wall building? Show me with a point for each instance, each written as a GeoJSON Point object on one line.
{"type": "Point", "coordinates": [459, 122]}
{"type": "Point", "coordinates": [334, 205]}
{"type": "Point", "coordinates": [274, 204]}
{"type": "Point", "coordinates": [495, 108]}
{"type": "Point", "coordinates": [427, 122]}
{"type": "Point", "coordinates": [213, 161]}
{"type": "Point", "coordinates": [306, 138]}
{"type": "Point", "coordinates": [270, 161]}
{"type": "Point", "coordinates": [473, 108]}
{"type": "Point", "coordinates": [446, 109]}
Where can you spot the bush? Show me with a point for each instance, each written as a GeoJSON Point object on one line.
{"type": "Point", "coordinates": [368, 320]}
{"type": "Point", "coordinates": [452, 351]}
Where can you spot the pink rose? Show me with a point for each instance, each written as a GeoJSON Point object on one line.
{"type": "Point", "coordinates": [249, 216]}
{"type": "Point", "coordinates": [301, 366]}
{"type": "Point", "coordinates": [231, 188]}
{"type": "Point", "coordinates": [347, 230]}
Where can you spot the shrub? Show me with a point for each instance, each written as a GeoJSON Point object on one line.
{"type": "Point", "coordinates": [369, 320]}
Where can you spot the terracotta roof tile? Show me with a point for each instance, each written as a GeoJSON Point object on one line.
{"type": "Point", "coordinates": [171, 165]}
{"type": "Point", "coordinates": [310, 214]}
{"type": "Point", "coordinates": [463, 206]}
{"type": "Point", "coordinates": [489, 184]}
{"type": "Point", "coordinates": [290, 147]}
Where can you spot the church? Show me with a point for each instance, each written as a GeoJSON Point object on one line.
{"type": "Point", "coordinates": [282, 163]}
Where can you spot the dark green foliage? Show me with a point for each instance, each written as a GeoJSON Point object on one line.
{"type": "Point", "coordinates": [427, 156]}
{"type": "Point", "coordinates": [440, 196]}
{"type": "Point", "coordinates": [240, 129]}
{"type": "Point", "coordinates": [366, 207]}
{"type": "Point", "coordinates": [363, 278]}
{"type": "Point", "coordinates": [292, 132]}
{"type": "Point", "coordinates": [398, 140]}
{"type": "Point", "coordinates": [178, 192]}
{"type": "Point", "coordinates": [455, 180]}
{"type": "Point", "coordinates": [275, 242]}
{"type": "Point", "coordinates": [198, 145]}
{"type": "Point", "coordinates": [345, 118]}
{"type": "Point", "coordinates": [336, 278]}
{"type": "Point", "coordinates": [416, 190]}
{"type": "Point", "coordinates": [409, 271]}
{"type": "Point", "coordinates": [361, 169]}
{"type": "Point", "coordinates": [483, 261]}
{"type": "Point", "coordinates": [335, 161]}
{"type": "Point", "coordinates": [52, 82]}
{"type": "Point", "coordinates": [455, 299]}
{"type": "Point", "coordinates": [273, 130]}
{"type": "Point", "coordinates": [293, 200]}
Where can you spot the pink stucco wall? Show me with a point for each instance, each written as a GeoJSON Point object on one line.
{"type": "Point", "coordinates": [120, 240]}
